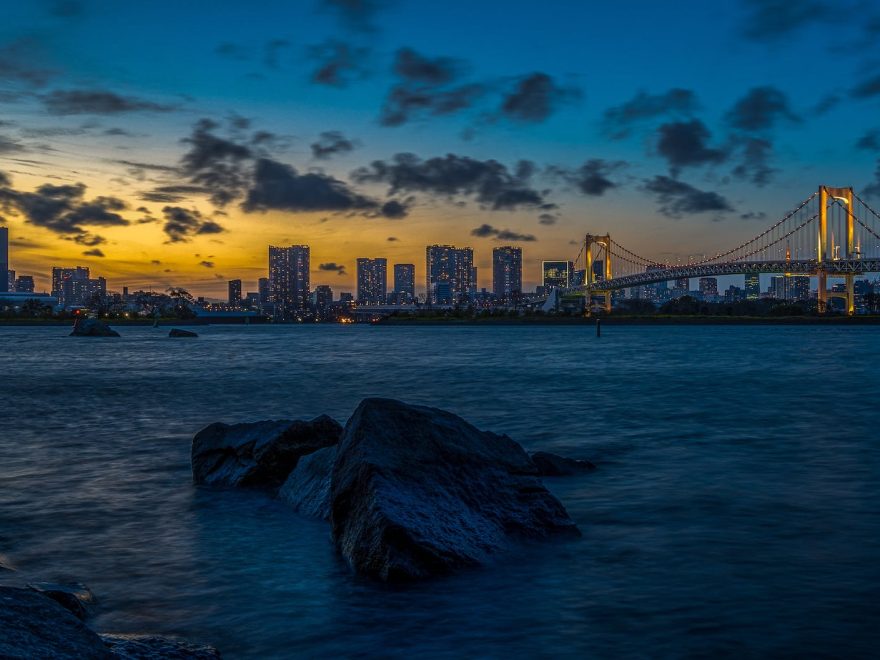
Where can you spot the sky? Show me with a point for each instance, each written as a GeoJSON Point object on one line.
{"type": "Point", "coordinates": [169, 143]}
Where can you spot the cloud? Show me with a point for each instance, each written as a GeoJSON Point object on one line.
{"type": "Point", "coordinates": [357, 15]}
{"type": "Point", "coordinates": [492, 184]}
{"type": "Point", "coordinates": [617, 121]}
{"type": "Point", "coordinates": [760, 109]}
{"type": "Point", "coordinates": [272, 52]}
{"type": "Point", "coordinates": [753, 215]}
{"type": "Point", "coordinates": [547, 219]}
{"type": "Point", "coordinates": [392, 239]}
{"type": "Point", "coordinates": [684, 144]}
{"type": "Point", "coordinates": [754, 164]}
{"type": "Point", "coordinates": [182, 224]}
{"type": "Point", "coordinates": [232, 51]}
{"type": "Point", "coordinates": [172, 194]}
{"type": "Point", "coordinates": [9, 146]}
{"type": "Point", "coordinates": [414, 67]}
{"type": "Point", "coordinates": [394, 209]}
{"type": "Point", "coordinates": [330, 144]}
{"type": "Point", "coordinates": [867, 88]}
{"type": "Point", "coordinates": [333, 267]}
{"type": "Point", "coordinates": [535, 97]}
{"type": "Point", "coordinates": [95, 252]}
{"type": "Point", "coordinates": [89, 240]}
{"type": "Point", "coordinates": [774, 20]}
{"type": "Point", "coordinates": [677, 198]}
{"type": "Point", "coordinates": [18, 63]}
{"type": "Point", "coordinates": [97, 102]}
{"type": "Point", "coordinates": [485, 231]}
{"type": "Point", "coordinates": [870, 141]}
{"type": "Point", "coordinates": [206, 264]}
{"type": "Point", "coordinates": [338, 64]}
{"type": "Point", "coordinates": [873, 188]}
{"type": "Point", "coordinates": [591, 178]}
{"type": "Point", "coordinates": [215, 163]}
{"type": "Point", "coordinates": [826, 104]}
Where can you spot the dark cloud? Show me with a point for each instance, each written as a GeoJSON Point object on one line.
{"type": "Point", "coordinates": [754, 164]}
{"type": "Point", "coordinates": [492, 184]}
{"type": "Point", "coordinates": [826, 104]}
{"type": "Point", "coordinates": [753, 215]}
{"type": "Point", "coordinates": [591, 178]}
{"type": "Point", "coordinates": [760, 109]}
{"type": "Point", "coordinates": [547, 219]}
{"type": "Point", "coordinates": [8, 145]}
{"type": "Point", "coordinates": [356, 15]}
{"type": "Point", "coordinates": [95, 252]}
{"type": "Point", "coordinates": [331, 143]}
{"type": "Point", "coordinates": [873, 188]}
{"type": "Point", "coordinates": [394, 209]}
{"type": "Point", "coordinates": [206, 264]}
{"type": "Point", "coordinates": [89, 240]}
{"type": "Point", "coordinates": [677, 198]}
{"type": "Point", "coordinates": [867, 88]}
{"type": "Point", "coordinates": [337, 63]}
{"type": "Point", "coordinates": [182, 224]}
{"type": "Point", "coordinates": [870, 141]}
{"type": "Point", "coordinates": [277, 186]}
{"type": "Point", "coordinates": [231, 51]}
{"type": "Point", "coordinates": [684, 144]}
{"type": "Point", "coordinates": [137, 169]}
{"type": "Point", "coordinates": [332, 267]}
{"type": "Point", "coordinates": [216, 163]}
{"type": "Point", "coordinates": [406, 102]}
{"type": "Point", "coordinates": [414, 67]}
{"type": "Point", "coordinates": [19, 63]}
{"type": "Point", "coordinates": [172, 194]}
{"type": "Point", "coordinates": [617, 121]}
{"type": "Point", "coordinates": [486, 231]}
{"type": "Point", "coordinates": [97, 102]}
{"type": "Point", "coordinates": [535, 97]}
{"type": "Point", "coordinates": [392, 239]}
{"type": "Point", "coordinates": [272, 52]}
{"type": "Point", "coordinates": [774, 20]}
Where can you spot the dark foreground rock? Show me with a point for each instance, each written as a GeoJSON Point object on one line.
{"type": "Point", "coordinates": [92, 328]}
{"type": "Point", "coordinates": [417, 491]}
{"type": "Point", "coordinates": [551, 465]}
{"type": "Point", "coordinates": [307, 489]}
{"type": "Point", "coordinates": [76, 598]}
{"type": "Point", "coordinates": [177, 332]}
{"type": "Point", "coordinates": [151, 647]}
{"type": "Point", "coordinates": [261, 454]}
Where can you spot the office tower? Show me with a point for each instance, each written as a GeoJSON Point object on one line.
{"type": "Point", "coordinates": [73, 286]}
{"type": "Point", "coordinates": [753, 286]}
{"type": "Point", "coordinates": [556, 274]}
{"type": "Point", "coordinates": [4, 259]}
{"type": "Point", "coordinates": [449, 273]}
{"type": "Point", "coordinates": [24, 284]}
{"type": "Point", "coordinates": [322, 299]}
{"type": "Point", "coordinates": [289, 280]}
{"type": "Point", "coordinates": [778, 287]}
{"type": "Point", "coordinates": [10, 280]}
{"type": "Point", "coordinates": [681, 288]}
{"type": "Point", "coordinates": [708, 288]}
{"type": "Point", "coordinates": [507, 272]}
{"type": "Point", "coordinates": [404, 282]}
{"type": "Point", "coordinates": [263, 289]}
{"type": "Point", "coordinates": [235, 293]}
{"type": "Point", "coordinates": [799, 287]}
{"type": "Point", "coordinates": [372, 281]}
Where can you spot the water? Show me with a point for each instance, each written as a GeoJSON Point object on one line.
{"type": "Point", "coordinates": [735, 511]}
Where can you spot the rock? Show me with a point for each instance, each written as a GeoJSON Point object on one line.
{"type": "Point", "coordinates": [259, 454]}
{"type": "Point", "coordinates": [418, 492]}
{"type": "Point", "coordinates": [151, 647]}
{"type": "Point", "coordinates": [307, 489]}
{"type": "Point", "coordinates": [551, 465]}
{"type": "Point", "coordinates": [177, 332]}
{"type": "Point", "coordinates": [35, 626]}
{"type": "Point", "coordinates": [76, 598]}
{"type": "Point", "coordinates": [92, 328]}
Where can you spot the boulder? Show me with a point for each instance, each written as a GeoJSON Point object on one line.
{"type": "Point", "coordinates": [307, 489]}
{"type": "Point", "coordinates": [76, 598]}
{"type": "Point", "coordinates": [92, 328]}
{"type": "Point", "coordinates": [260, 454]}
{"type": "Point", "coordinates": [551, 465]}
{"type": "Point", "coordinates": [177, 332]}
{"type": "Point", "coordinates": [151, 647]}
{"type": "Point", "coordinates": [35, 626]}
{"type": "Point", "coordinates": [417, 492]}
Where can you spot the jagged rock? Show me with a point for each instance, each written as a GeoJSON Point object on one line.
{"type": "Point", "coordinates": [177, 332]}
{"type": "Point", "coordinates": [418, 492]}
{"type": "Point", "coordinates": [76, 598]}
{"type": "Point", "coordinates": [259, 454]}
{"type": "Point", "coordinates": [151, 647]}
{"type": "Point", "coordinates": [35, 626]}
{"type": "Point", "coordinates": [307, 489]}
{"type": "Point", "coordinates": [92, 328]}
{"type": "Point", "coordinates": [552, 465]}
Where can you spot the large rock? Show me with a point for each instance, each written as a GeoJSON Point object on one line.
{"type": "Point", "coordinates": [258, 454]}
{"type": "Point", "coordinates": [152, 647]}
{"type": "Point", "coordinates": [35, 626]}
{"type": "Point", "coordinates": [418, 492]}
{"type": "Point", "coordinates": [552, 465]}
{"type": "Point", "coordinates": [92, 328]}
{"type": "Point", "coordinates": [307, 489]}
{"type": "Point", "coordinates": [76, 597]}
{"type": "Point", "coordinates": [177, 332]}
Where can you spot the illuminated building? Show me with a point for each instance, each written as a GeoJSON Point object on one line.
{"type": "Point", "coordinates": [371, 281]}
{"type": "Point", "coordinates": [4, 259]}
{"type": "Point", "coordinates": [506, 272]}
{"type": "Point", "coordinates": [708, 288]}
{"type": "Point", "coordinates": [753, 286]}
{"type": "Point", "coordinates": [404, 283]}
{"type": "Point", "coordinates": [322, 299]}
{"type": "Point", "coordinates": [263, 289]}
{"type": "Point", "coordinates": [799, 287]}
{"type": "Point", "coordinates": [449, 273]}
{"type": "Point", "coordinates": [289, 280]}
{"type": "Point", "coordinates": [73, 286]}
{"type": "Point", "coordinates": [556, 274]}
{"type": "Point", "coordinates": [778, 287]}
{"type": "Point", "coordinates": [24, 284]}
{"type": "Point", "coordinates": [234, 293]}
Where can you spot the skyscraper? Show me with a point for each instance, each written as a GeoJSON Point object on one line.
{"type": "Point", "coordinates": [449, 273]}
{"type": "Point", "coordinates": [235, 293]}
{"type": "Point", "coordinates": [404, 282]}
{"type": "Point", "coordinates": [289, 280]}
{"type": "Point", "coordinates": [708, 288]}
{"type": "Point", "coordinates": [4, 259]}
{"type": "Point", "coordinates": [799, 287]}
{"type": "Point", "coordinates": [506, 272]}
{"type": "Point", "coordinates": [753, 286]}
{"type": "Point", "coordinates": [263, 289]}
{"type": "Point", "coordinates": [556, 274]}
{"type": "Point", "coordinates": [372, 278]}
{"type": "Point", "coordinates": [73, 286]}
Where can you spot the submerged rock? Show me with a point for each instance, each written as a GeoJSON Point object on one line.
{"type": "Point", "coordinates": [151, 647]}
{"type": "Point", "coordinates": [92, 328]}
{"type": "Point", "coordinates": [417, 492]}
{"type": "Point", "coordinates": [307, 489]}
{"type": "Point", "coordinates": [552, 465]}
{"type": "Point", "coordinates": [76, 598]}
{"type": "Point", "coordinates": [258, 454]}
{"type": "Point", "coordinates": [35, 626]}
{"type": "Point", "coordinates": [177, 332]}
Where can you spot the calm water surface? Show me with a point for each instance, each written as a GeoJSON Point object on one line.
{"type": "Point", "coordinates": [735, 511]}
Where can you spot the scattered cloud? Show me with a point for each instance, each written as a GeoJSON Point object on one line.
{"type": "Point", "coordinates": [760, 109]}
{"type": "Point", "coordinates": [547, 219]}
{"type": "Point", "coordinates": [182, 224]}
{"type": "Point", "coordinates": [206, 264]}
{"type": "Point", "coordinates": [95, 252]}
{"type": "Point", "coordinates": [685, 144]}
{"type": "Point", "coordinates": [870, 141]}
{"type": "Point", "coordinates": [272, 52]}
{"type": "Point", "coordinates": [392, 239]}
{"type": "Point", "coordinates": [677, 198]}
{"type": "Point", "coordinates": [232, 51]}
{"type": "Point", "coordinates": [754, 164]}
{"type": "Point", "coordinates": [331, 143]}
{"type": "Point", "coordinates": [357, 15]}
{"type": "Point", "coordinates": [591, 178]}
{"type": "Point", "coordinates": [486, 231]}
{"type": "Point", "coordinates": [868, 88]}
{"type": "Point", "coordinates": [535, 97]}
{"type": "Point", "coordinates": [216, 163]}
{"type": "Point", "coordinates": [332, 267]}
{"type": "Point", "coordinates": [97, 102]}
{"type": "Point", "coordinates": [19, 63]}
{"type": "Point", "coordinates": [172, 194]}
{"type": "Point", "coordinates": [774, 20]}
{"type": "Point", "coordinates": [618, 121]}
{"type": "Point", "coordinates": [338, 64]}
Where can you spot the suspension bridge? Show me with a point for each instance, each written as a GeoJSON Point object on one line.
{"type": "Point", "coordinates": [833, 233]}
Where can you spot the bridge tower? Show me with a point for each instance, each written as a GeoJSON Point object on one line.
{"type": "Point", "coordinates": [845, 197]}
{"type": "Point", "coordinates": [590, 282]}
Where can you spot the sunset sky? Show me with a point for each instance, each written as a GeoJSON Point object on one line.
{"type": "Point", "coordinates": [169, 143]}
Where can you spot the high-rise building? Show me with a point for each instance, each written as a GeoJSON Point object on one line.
{"type": "Point", "coordinates": [372, 281]}
{"type": "Point", "coordinates": [235, 293]}
{"type": "Point", "coordinates": [449, 274]}
{"type": "Point", "coordinates": [556, 274]}
{"type": "Point", "coordinates": [263, 289]}
{"type": "Point", "coordinates": [753, 286]}
{"type": "Point", "coordinates": [4, 259]}
{"type": "Point", "coordinates": [404, 282]}
{"type": "Point", "coordinates": [799, 287]}
{"type": "Point", "coordinates": [24, 284]}
{"type": "Point", "coordinates": [506, 272]}
{"type": "Point", "coordinates": [73, 286]}
{"type": "Point", "coordinates": [708, 288]}
{"type": "Point", "coordinates": [10, 280]}
{"type": "Point", "coordinates": [778, 287]}
{"type": "Point", "coordinates": [322, 299]}
{"type": "Point", "coordinates": [289, 280]}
